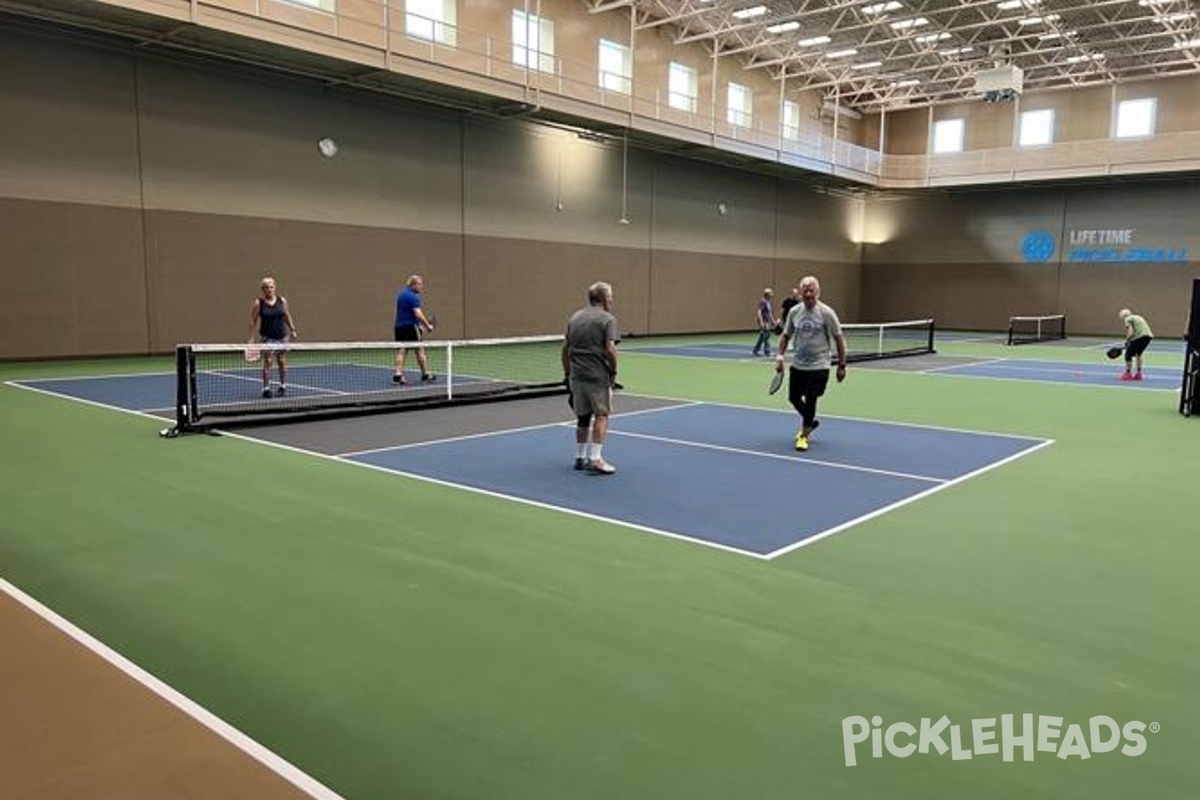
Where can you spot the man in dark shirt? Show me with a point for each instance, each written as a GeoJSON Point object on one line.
{"type": "Point", "coordinates": [589, 362]}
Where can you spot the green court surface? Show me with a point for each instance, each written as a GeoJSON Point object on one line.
{"type": "Point", "coordinates": [398, 639]}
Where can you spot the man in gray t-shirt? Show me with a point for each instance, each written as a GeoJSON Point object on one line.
{"type": "Point", "coordinates": [816, 329]}
{"type": "Point", "coordinates": [589, 362]}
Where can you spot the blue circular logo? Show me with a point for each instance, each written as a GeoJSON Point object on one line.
{"type": "Point", "coordinates": [1037, 247]}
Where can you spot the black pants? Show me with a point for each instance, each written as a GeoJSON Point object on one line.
{"type": "Point", "coordinates": [1137, 346]}
{"type": "Point", "coordinates": [804, 387]}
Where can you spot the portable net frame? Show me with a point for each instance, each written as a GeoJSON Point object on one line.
{"type": "Point", "coordinates": [869, 341]}
{"type": "Point", "coordinates": [219, 384]}
{"type": "Point", "coordinates": [1026, 330]}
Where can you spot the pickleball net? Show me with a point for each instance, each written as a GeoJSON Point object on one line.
{"type": "Point", "coordinates": [869, 341]}
{"type": "Point", "coordinates": [216, 386]}
{"type": "Point", "coordinates": [1027, 330]}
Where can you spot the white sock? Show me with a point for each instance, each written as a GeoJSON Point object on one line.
{"type": "Point", "coordinates": [596, 448]}
{"type": "Point", "coordinates": [581, 449]}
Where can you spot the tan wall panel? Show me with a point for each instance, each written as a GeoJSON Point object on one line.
{"type": "Point", "coordinates": [73, 280]}
{"type": "Point", "coordinates": [971, 296]}
{"type": "Point", "coordinates": [340, 281]}
{"type": "Point", "coordinates": [688, 196]}
{"type": "Point", "coordinates": [1094, 293]}
{"type": "Point", "coordinates": [224, 145]}
{"type": "Point", "coordinates": [706, 291]}
{"type": "Point", "coordinates": [519, 287]}
{"type": "Point", "coordinates": [960, 228]}
{"type": "Point", "coordinates": [1080, 115]}
{"type": "Point", "coordinates": [907, 132]}
{"type": "Point", "coordinates": [70, 127]}
{"type": "Point", "coordinates": [517, 174]}
{"type": "Point", "coordinates": [818, 227]}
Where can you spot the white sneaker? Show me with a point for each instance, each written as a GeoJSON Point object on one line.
{"type": "Point", "coordinates": [599, 466]}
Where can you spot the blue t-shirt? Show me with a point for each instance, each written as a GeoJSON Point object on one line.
{"type": "Point", "coordinates": [407, 303]}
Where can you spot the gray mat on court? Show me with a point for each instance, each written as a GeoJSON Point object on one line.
{"type": "Point", "coordinates": [396, 428]}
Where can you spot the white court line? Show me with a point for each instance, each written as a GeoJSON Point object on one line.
{"type": "Point", "coordinates": [978, 362]}
{"type": "Point", "coordinates": [1116, 385]}
{"type": "Point", "coordinates": [84, 401]}
{"type": "Point", "coordinates": [911, 499]}
{"type": "Point", "coordinates": [92, 377]}
{"type": "Point", "coordinates": [284, 769]}
{"type": "Point", "coordinates": [792, 459]}
{"type": "Point", "coordinates": [1089, 370]}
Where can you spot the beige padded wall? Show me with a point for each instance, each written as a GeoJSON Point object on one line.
{"type": "Point", "coordinates": [72, 276]}
{"type": "Point", "coordinates": [958, 256]}
{"type": "Point", "coordinates": [236, 189]}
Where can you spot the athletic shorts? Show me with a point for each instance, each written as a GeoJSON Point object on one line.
{"type": "Point", "coordinates": [408, 333]}
{"type": "Point", "coordinates": [1137, 346]}
{"type": "Point", "coordinates": [591, 398]}
{"type": "Point", "coordinates": [274, 347]}
{"type": "Point", "coordinates": [807, 382]}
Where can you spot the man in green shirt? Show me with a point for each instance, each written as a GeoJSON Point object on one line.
{"type": "Point", "coordinates": [1137, 338]}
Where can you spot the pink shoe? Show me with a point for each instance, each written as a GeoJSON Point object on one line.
{"type": "Point", "coordinates": [1125, 376]}
{"type": "Point", "coordinates": [1137, 376]}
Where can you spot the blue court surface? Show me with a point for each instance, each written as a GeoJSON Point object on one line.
{"type": "Point", "coordinates": [710, 474]}
{"type": "Point", "coordinates": [1099, 374]}
{"type": "Point", "coordinates": [714, 474]}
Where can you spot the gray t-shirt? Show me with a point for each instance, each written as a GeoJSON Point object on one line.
{"type": "Point", "coordinates": [588, 331]}
{"type": "Point", "coordinates": [812, 332]}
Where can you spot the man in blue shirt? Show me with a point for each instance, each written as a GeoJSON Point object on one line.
{"type": "Point", "coordinates": [411, 323]}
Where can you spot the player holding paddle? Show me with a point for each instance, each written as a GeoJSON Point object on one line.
{"type": "Point", "coordinates": [271, 320]}
{"type": "Point", "coordinates": [411, 323]}
{"type": "Point", "coordinates": [1137, 338]}
{"type": "Point", "coordinates": [817, 330]}
{"type": "Point", "coordinates": [589, 362]}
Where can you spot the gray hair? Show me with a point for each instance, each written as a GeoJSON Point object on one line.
{"type": "Point", "coordinates": [598, 292]}
{"type": "Point", "coordinates": [810, 279]}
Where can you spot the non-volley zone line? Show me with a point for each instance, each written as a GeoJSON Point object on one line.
{"type": "Point", "coordinates": [697, 472]}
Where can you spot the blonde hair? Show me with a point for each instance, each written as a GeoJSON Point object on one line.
{"type": "Point", "coordinates": [1124, 312]}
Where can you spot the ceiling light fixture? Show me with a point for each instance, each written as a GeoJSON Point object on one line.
{"type": "Point", "coordinates": [749, 13]}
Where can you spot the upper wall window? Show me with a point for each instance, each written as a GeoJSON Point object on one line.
{"type": "Point", "coordinates": [681, 87]}
{"type": "Point", "coordinates": [1136, 117]}
{"type": "Point", "coordinates": [434, 20]}
{"type": "Point", "coordinates": [948, 136]}
{"type": "Point", "coordinates": [739, 110]}
{"type": "Point", "coordinates": [616, 67]}
{"type": "Point", "coordinates": [1036, 127]}
{"type": "Point", "coordinates": [533, 41]}
{"type": "Point", "coordinates": [791, 120]}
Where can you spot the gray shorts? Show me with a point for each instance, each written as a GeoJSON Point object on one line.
{"type": "Point", "coordinates": [591, 398]}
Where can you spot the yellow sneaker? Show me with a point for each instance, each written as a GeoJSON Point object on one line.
{"type": "Point", "coordinates": [801, 442]}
